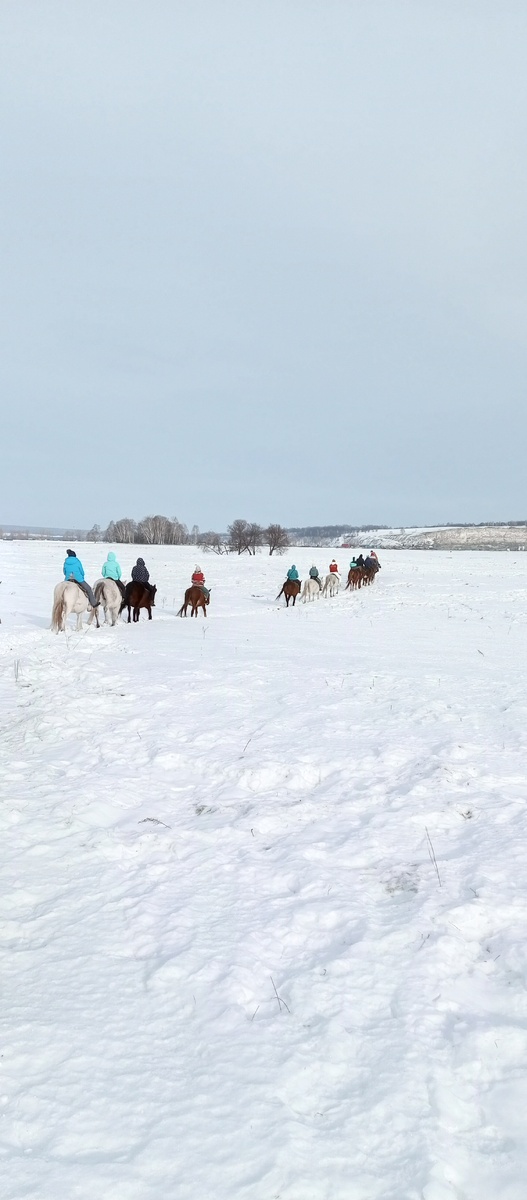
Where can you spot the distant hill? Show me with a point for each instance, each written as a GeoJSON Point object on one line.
{"type": "Point", "coordinates": [453, 537]}
{"type": "Point", "coordinates": [7, 529]}
{"type": "Point", "coordinates": [511, 535]}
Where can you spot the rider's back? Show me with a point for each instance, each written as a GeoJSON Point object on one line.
{"type": "Point", "coordinates": [139, 572]}
{"type": "Point", "coordinates": [111, 568]}
{"type": "Point", "coordinates": [73, 567]}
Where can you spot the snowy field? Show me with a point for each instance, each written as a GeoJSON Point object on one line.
{"type": "Point", "coordinates": [264, 928]}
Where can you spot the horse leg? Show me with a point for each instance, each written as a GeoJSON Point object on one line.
{"type": "Point", "coordinates": [149, 613]}
{"type": "Point", "coordinates": [79, 622]}
{"type": "Point", "coordinates": [129, 614]}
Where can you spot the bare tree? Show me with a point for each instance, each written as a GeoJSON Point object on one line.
{"type": "Point", "coordinates": [238, 536]}
{"type": "Point", "coordinates": [277, 539]}
{"type": "Point", "coordinates": [94, 534]}
{"type": "Point", "coordinates": [255, 536]}
{"type": "Point", "coordinates": [180, 533]}
{"type": "Point", "coordinates": [245, 536]}
{"type": "Point", "coordinates": [121, 531]}
{"type": "Point", "coordinates": [154, 531]}
{"type": "Point", "coordinates": [212, 541]}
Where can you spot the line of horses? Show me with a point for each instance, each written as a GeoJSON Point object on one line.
{"type": "Point", "coordinates": [357, 577]}
{"type": "Point", "coordinates": [69, 598]}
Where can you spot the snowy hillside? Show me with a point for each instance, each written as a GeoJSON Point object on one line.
{"type": "Point", "coordinates": [265, 886]}
{"type": "Point", "coordinates": [450, 537]}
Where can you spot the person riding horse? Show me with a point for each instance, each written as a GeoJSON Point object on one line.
{"type": "Point", "coordinates": [292, 574]}
{"type": "Point", "coordinates": [140, 574]}
{"type": "Point", "coordinates": [74, 570]}
{"type": "Point", "coordinates": [313, 574]}
{"type": "Point", "coordinates": [112, 570]}
{"type": "Point", "coordinates": [371, 563]}
{"type": "Point", "coordinates": [198, 579]}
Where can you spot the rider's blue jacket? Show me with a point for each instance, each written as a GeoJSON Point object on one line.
{"type": "Point", "coordinates": [73, 566]}
{"type": "Point", "coordinates": [292, 573]}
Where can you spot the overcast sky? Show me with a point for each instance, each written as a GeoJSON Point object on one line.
{"type": "Point", "coordinates": [263, 259]}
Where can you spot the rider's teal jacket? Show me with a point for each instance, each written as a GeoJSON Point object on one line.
{"type": "Point", "coordinates": [292, 573]}
{"type": "Point", "coordinates": [314, 573]}
{"type": "Point", "coordinates": [73, 566]}
{"type": "Point", "coordinates": [111, 568]}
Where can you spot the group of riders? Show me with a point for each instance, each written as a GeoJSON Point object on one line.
{"type": "Point", "coordinates": [370, 563]}
{"type": "Point", "coordinates": [74, 571]}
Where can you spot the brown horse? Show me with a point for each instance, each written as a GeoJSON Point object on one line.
{"type": "Point", "coordinates": [136, 596]}
{"type": "Point", "coordinates": [354, 578]}
{"type": "Point", "coordinates": [368, 575]}
{"type": "Point", "coordinates": [290, 589]}
{"type": "Point", "coordinates": [195, 596]}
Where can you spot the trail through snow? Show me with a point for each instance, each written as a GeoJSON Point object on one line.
{"type": "Point", "coordinates": [265, 886]}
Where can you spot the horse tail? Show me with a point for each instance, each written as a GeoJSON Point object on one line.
{"type": "Point", "coordinates": [281, 592]}
{"type": "Point", "coordinates": [57, 615]}
{"type": "Point", "coordinates": [98, 590]}
{"type": "Point", "coordinates": [180, 613]}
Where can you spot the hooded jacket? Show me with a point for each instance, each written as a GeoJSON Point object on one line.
{"type": "Point", "coordinates": [139, 572]}
{"type": "Point", "coordinates": [73, 567]}
{"type": "Point", "coordinates": [111, 568]}
{"type": "Point", "coordinates": [292, 573]}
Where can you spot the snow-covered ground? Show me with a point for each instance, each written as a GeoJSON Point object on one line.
{"type": "Point", "coordinates": [230, 967]}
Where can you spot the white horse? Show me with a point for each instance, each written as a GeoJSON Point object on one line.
{"type": "Point", "coordinates": [69, 598]}
{"type": "Point", "coordinates": [332, 584]}
{"type": "Point", "coordinates": [311, 590]}
{"type": "Point", "coordinates": [107, 593]}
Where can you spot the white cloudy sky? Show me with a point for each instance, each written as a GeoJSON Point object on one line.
{"type": "Point", "coordinates": [263, 259]}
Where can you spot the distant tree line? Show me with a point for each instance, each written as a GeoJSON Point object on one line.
{"type": "Point", "coordinates": [242, 537]}
{"type": "Point", "coordinates": [325, 532]}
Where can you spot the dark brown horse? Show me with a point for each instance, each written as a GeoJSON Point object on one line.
{"type": "Point", "coordinates": [368, 575]}
{"type": "Point", "coordinates": [195, 596]}
{"type": "Point", "coordinates": [136, 596]}
{"type": "Point", "coordinates": [354, 578]}
{"type": "Point", "coordinates": [290, 589]}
